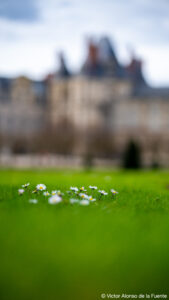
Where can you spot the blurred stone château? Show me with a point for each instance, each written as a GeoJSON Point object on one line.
{"type": "Point", "coordinates": [96, 112]}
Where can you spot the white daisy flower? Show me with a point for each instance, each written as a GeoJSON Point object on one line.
{"type": "Point", "coordinates": [82, 189]}
{"type": "Point", "coordinates": [72, 201]}
{"type": "Point", "coordinates": [34, 201]}
{"type": "Point", "coordinates": [41, 187]}
{"type": "Point", "coordinates": [84, 202]}
{"type": "Point", "coordinates": [25, 185]}
{"type": "Point", "coordinates": [90, 198]}
{"type": "Point", "coordinates": [82, 195]}
{"type": "Point", "coordinates": [114, 192]}
{"type": "Point", "coordinates": [46, 193]}
{"type": "Point", "coordinates": [54, 199]}
{"type": "Point", "coordinates": [53, 193]}
{"type": "Point", "coordinates": [103, 192]}
{"type": "Point", "coordinates": [75, 189]}
{"type": "Point", "coordinates": [21, 191]}
{"type": "Point", "coordinates": [93, 187]}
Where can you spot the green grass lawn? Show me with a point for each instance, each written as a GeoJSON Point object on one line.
{"type": "Point", "coordinates": [64, 251]}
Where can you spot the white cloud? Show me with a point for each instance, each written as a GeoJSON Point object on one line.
{"type": "Point", "coordinates": [138, 24]}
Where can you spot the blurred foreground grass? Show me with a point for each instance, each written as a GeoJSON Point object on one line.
{"type": "Point", "coordinates": [73, 252]}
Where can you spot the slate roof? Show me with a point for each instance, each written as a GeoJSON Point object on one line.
{"type": "Point", "coordinates": [5, 89]}
{"type": "Point", "coordinates": [101, 60]}
{"type": "Point", "coordinates": [5, 84]}
{"type": "Point", "coordinates": [63, 71]}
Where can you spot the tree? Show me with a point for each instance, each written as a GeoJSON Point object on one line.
{"type": "Point", "coordinates": [132, 156]}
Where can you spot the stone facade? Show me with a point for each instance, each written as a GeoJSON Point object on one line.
{"type": "Point", "coordinates": [21, 112]}
{"type": "Point", "coordinates": [103, 98]}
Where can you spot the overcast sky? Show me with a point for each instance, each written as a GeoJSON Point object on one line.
{"type": "Point", "coordinates": [32, 32]}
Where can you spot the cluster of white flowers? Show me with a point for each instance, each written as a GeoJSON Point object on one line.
{"type": "Point", "coordinates": [81, 195]}
{"type": "Point", "coordinates": [84, 198]}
